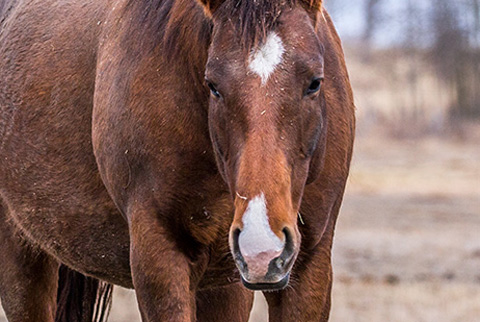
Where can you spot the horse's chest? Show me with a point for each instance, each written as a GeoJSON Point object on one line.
{"type": "Point", "coordinates": [209, 224]}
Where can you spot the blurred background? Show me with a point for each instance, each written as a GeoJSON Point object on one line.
{"type": "Point", "coordinates": [407, 244]}
{"type": "Point", "coordinates": [414, 63]}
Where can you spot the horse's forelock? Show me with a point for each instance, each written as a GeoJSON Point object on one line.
{"type": "Point", "coordinates": [252, 19]}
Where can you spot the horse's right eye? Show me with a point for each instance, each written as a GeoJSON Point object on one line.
{"type": "Point", "coordinates": [213, 89]}
{"type": "Point", "coordinates": [315, 86]}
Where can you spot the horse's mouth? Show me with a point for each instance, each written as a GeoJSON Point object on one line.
{"type": "Point", "coordinates": [267, 286]}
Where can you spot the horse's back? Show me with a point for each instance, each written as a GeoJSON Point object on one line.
{"type": "Point", "coordinates": [48, 173]}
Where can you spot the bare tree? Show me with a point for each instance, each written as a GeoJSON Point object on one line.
{"type": "Point", "coordinates": [475, 4]}
{"type": "Point", "coordinates": [372, 18]}
{"type": "Point", "coordinates": [456, 59]}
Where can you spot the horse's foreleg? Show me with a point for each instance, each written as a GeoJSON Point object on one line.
{"type": "Point", "coordinates": [230, 303]}
{"type": "Point", "coordinates": [307, 298]}
{"type": "Point", "coordinates": [28, 278]}
{"type": "Point", "coordinates": [161, 271]}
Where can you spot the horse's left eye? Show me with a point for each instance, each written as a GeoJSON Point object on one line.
{"type": "Point", "coordinates": [213, 89]}
{"type": "Point", "coordinates": [315, 86]}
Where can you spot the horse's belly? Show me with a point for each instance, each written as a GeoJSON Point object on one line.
{"type": "Point", "coordinates": [48, 174]}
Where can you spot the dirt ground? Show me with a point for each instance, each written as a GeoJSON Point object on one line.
{"type": "Point", "coordinates": [407, 244]}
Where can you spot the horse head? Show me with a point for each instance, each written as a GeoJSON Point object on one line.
{"type": "Point", "coordinates": [267, 124]}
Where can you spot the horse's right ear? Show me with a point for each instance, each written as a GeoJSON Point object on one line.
{"type": "Point", "coordinates": [210, 6]}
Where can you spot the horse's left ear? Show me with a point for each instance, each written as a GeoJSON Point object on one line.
{"type": "Point", "coordinates": [315, 4]}
{"type": "Point", "coordinates": [210, 6]}
{"type": "Point", "coordinates": [313, 7]}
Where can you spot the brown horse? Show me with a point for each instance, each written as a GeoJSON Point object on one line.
{"type": "Point", "coordinates": [142, 142]}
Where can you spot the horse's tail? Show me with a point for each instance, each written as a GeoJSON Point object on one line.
{"type": "Point", "coordinates": [81, 298]}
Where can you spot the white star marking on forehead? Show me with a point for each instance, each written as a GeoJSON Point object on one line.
{"type": "Point", "coordinates": [267, 57]}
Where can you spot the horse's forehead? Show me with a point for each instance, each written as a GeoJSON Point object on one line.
{"type": "Point", "coordinates": [292, 40]}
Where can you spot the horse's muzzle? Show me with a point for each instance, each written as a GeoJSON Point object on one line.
{"type": "Point", "coordinates": [266, 270]}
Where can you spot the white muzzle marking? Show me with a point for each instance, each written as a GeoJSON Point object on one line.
{"type": "Point", "coordinates": [257, 236]}
{"type": "Point", "coordinates": [267, 57]}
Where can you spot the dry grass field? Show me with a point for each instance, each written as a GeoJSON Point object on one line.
{"type": "Point", "coordinates": [407, 244]}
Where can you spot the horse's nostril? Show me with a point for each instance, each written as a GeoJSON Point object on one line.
{"type": "Point", "coordinates": [289, 244]}
{"type": "Point", "coordinates": [235, 244]}
{"type": "Point", "coordinates": [285, 259]}
{"type": "Point", "coordinates": [235, 236]}
{"type": "Point", "coordinates": [236, 250]}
